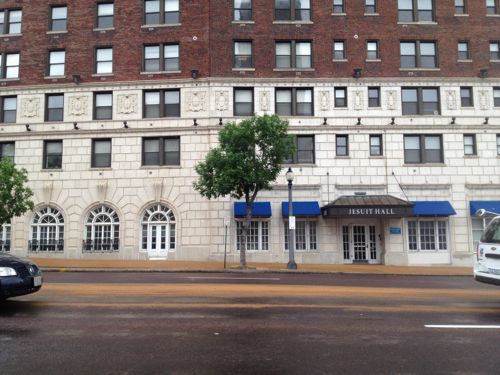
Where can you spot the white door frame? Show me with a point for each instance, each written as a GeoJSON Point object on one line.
{"type": "Point", "coordinates": [156, 240]}
{"type": "Point", "coordinates": [368, 241]}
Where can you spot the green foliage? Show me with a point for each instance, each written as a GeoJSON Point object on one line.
{"type": "Point", "coordinates": [15, 197]}
{"type": "Point", "coordinates": [247, 160]}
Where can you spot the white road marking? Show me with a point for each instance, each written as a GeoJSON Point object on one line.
{"type": "Point", "coordinates": [458, 326]}
{"type": "Point", "coordinates": [233, 278]}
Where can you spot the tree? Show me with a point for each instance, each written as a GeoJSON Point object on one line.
{"type": "Point", "coordinates": [15, 196]}
{"type": "Point", "coordinates": [247, 160]}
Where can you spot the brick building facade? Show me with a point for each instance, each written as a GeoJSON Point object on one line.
{"type": "Point", "coordinates": [394, 106]}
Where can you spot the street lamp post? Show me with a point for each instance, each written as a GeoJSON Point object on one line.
{"type": "Point", "coordinates": [291, 223]}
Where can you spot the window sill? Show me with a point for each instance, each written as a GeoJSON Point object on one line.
{"type": "Point", "coordinates": [493, 15]}
{"type": "Point", "coordinates": [57, 32]}
{"type": "Point", "coordinates": [373, 60]}
{"type": "Point", "coordinates": [97, 75]}
{"type": "Point", "coordinates": [104, 29]}
{"type": "Point", "coordinates": [342, 157]}
{"type": "Point", "coordinates": [242, 23]}
{"type": "Point", "coordinates": [339, 14]}
{"type": "Point", "coordinates": [422, 23]}
{"type": "Point", "coordinates": [299, 165]}
{"type": "Point", "coordinates": [100, 169]}
{"type": "Point", "coordinates": [495, 61]}
{"type": "Point", "coordinates": [291, 22]}
{"type": "Point", "coordinates": [160, 167]}
{"type": "Point", "coordinates": [293, 70]}
{"type": "Point", "coordinates": [6, 36]}
{"type": "Point", "coordinates": [152, 27]}
{"type": "Point", "coordinates": [341, 108]}
{"type": "Point", "coordinates": [377, 157]}
{"type": "Point", "coordinates": [9, 79]}
{"type": "Point", "coordinates": [462, 15]}
{"type": "Point", "coordinates": [54, 77]}
{"type": "Point", "coordinates": [419, 69]}
{"type": "Point", "coordinates": [371, 14]}
{"type": "Point", "coordinates": [161, 72]}
{"type": "Point", "coordinates": [468, 108]}
{"type": "Point", "coordinates": [340, 60]}
{"type": "Point", "coordinates": [425, 165]}
{"type": "Point", "coordinates": [243, 69]}
{"type": "Point", "coordinates": [464, 61]}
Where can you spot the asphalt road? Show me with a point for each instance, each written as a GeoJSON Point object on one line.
{"type": "Point", "coordinates": [251, 323]}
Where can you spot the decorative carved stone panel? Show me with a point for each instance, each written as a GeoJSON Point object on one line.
{"type": "Point", "coordinates": [127, 103]}
{"type": "Point", "coordinates": [48, 188]}
{"type": "Point", "coordinates": [358, 100]}
{"type": "Point", "coordinates": [78, 105]}
{"type": "Point", "coordinates": [195, 101]}
{"type": "Point", "coordinates": [484, 99]}
{"type": "Point", "coordinates": [30, 107]}
{"type": "Point", "coordinates": [392, 100]}
{"type": "Point", "coordinates": [264, 101]}
{"type": "Point", "coordinates": [102, 189]}
{"type": "Point", "coordinates": [221, 100]}
{"type": "Point", "coordinates": [451, 99]}
{"type": "Point", "coordinates": [158, 189]}
{"type": "Point", "coordinates": [324, 100]}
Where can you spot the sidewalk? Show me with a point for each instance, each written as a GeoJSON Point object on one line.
{"type": "Point", "coordinates": [93, 265]}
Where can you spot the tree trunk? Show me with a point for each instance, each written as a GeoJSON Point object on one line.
{"type": "Point", "coordinates": [244, 232]}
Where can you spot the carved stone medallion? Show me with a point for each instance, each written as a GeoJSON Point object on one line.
{"type": "Point", "coordinates": [264, 101]}
{"type": "Point", "coordinates": [221, 100]}
{"type": "Point", "coordinates": [324, 100]}
{"type": "Point", "coordinates": [78, 105]}
{"type": "Point", "coordinates": [392, 99]}
{"type": "Point", "coordinates": [451, 99]}
{"type": "Point", "coordinates": [358, 100]}
{"type": "Point", "coordinates": [30, 107]}
{"type": "Point", "coordinates": [127, 103]}
{"type": "Point", "coordinates": [195, 101]}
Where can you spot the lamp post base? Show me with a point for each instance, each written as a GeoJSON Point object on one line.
{"type": "Point", "coordinates": [291, 265]}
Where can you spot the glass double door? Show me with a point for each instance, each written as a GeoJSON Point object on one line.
{"type": "Point", "coordinates": [157, 240]}
{"type": "Point", "coordinates": [360, 243]}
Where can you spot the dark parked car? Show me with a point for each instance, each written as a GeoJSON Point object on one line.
{"type": "Point", "coordinates": [18, 276]}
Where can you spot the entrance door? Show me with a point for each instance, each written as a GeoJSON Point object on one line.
{"type": "Point", "coordinates": [360, 243]}
{"type": "Point", "coordinates": [157, 241]}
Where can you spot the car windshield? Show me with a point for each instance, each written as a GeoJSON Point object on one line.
{"type": "Point", "coordinates": [492, 232]}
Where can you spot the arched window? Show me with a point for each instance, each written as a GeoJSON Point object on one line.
{"type": "Point", "coordinates": [158, 231]}
{"type": "Point", "coordinates": [47, 230]}
{"type": "Point", "coordinates": [102, 230]}
{"type": "Point", "coordinates": [5, 238]}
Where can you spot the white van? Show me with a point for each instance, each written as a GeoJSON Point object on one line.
{"type": "Point", "coordinates": [487, 263]}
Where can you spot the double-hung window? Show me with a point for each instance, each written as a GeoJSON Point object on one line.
{"type": "Point", "coordinates": [460, 7]}
{"type": "Point", "coordinates": [339, 52]}
{"type": "Point", "coordinates": [293, 54]}
{"type": "Point", "coordinates": [9, 109]}
{"type": "Point", "coordinates": [294, 101]}
{"type": "Point", "coordinates": [54, 107]}
{"type": "Point", "coordinates": [103, 106]}
{"type": "Point", "coordinates": [373, 97]}
{"type": "Point", "coordinates": [372, 50]}
{"type": "Point", "coordinates": [162, 57]}
{"type": "Point", "coordinates": [338, 7]}
{"type": "Point", "coordinates": [57, 61]}
{"type": "Point", "coordinates": [342, 145]}
{"type": "Point", "coordinates": [415, 10]}
{"type": "Point", "coordinates": [162, 103]}
{"type": "Point", "coordinates": [420, 101]}
{"type": "Point", "coordinates": [159, 12]}
{"type": "Point", "coordinates": [242, 10]}
{"type": "Point", "coordinates": [470, 147]}
{"type": "Point", "coordinates": [257, 235]}
{"type": "Point", "coordinates": [9, 65]}
{"type": "Point", "coordinates": [292, 10]}
{"type": "Point", "coordinates": [59, 18]}
{"type": "Point", "coordinates": [495, 50]}
{"type": "Point", "coordinates": [104, 60]}
{"type": "Point", "coordinates": [427, 234]}
{"type": "Point", "coordinates": [418, 54]}
{"type": "Point", "coordinates": [370, 6]}
{"type": "Point", "coordinates": [161, 151]}
{"type": "Point", "coordinates": [243, 101]}
{"type": "Point", "coordinates": [420, 149]}
{"type": "Point", "coordinates": [340, 97]}
{"type": "Point", "coordinates": [10, 21]}
{"type": "Point", "coordinates": [463, 50]}
{"type": "Point", "coordinates": [7, 151]}
{"type": "Point", "coordinates": [305, 235]}
{"type": "Point", "coordinates": [492, 6]}
{"type": "Point", "coordinates": [105, 13]}
{"type": "Point", "coordinates": [376, 148]}
{"type": "Point", "coordinates": [243, 54]}
{"type": "Point", "coordinates": [52, 154]}
{"type": "Point", "coordinates": [101, 153]}
{"type": "Point", "coordinates": [496, 96]}
{"type": "Point", "coordinates": [466, 97]}
{"type": "Point", "coordinates": [304, 150]}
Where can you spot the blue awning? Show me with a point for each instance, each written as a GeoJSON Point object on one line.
{"type": "Point", "coordinates": [301, 209]}
{"type": "Point", "coordinates": [259, 209]}
{"type": "Point", "coordinates": [433, 208]}
{"type": "Point", "coordinates": [490, 206]}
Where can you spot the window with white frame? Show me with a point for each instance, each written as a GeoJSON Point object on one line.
{"type": "Point", "coordinates": [47, 230]}
{"type": "Point", "coordinates": [339, 50]}
{"type": "Point", "coordinates": [372, 50]}
{"type": "Point", "coordinates": [9, 65]}
{"type": "Point", "coordinates": [292, 10]}
{"type": "Point", "coordinates": [162, 57]}
{"type": "Point", "coordinates": [56, 63]}
{"type": "Point", "coordinates": [158, 228]}
{"type": "Point", "coordinates": [242, 58]}
{"type": "Point", "coordinates": [427, 234]}
{"type": "Point", "coordinates": [5, 231]}
{"type": "Point", "coordinates": [105, 12]}
{"type": "Point", "coordinates": [460, 7]}
{"type": "Point", "coordinates": [10, 21]}
{"type": "Point", "coordinates": [59, 18]}
{"type": "Point", "coordinates": [158, 12]}
{"type": "Point", "coordinates": [102, 230]}
{"type": "Point", "coordinates": [305, 235]}
{"type": "Point", "coordinates": [463, 50]}
{"type": "Point", "coordinates": [104, 60]}
{"type": "Point", "coordinates": [418, 54]}
{"type": "Point", "coordinates": [293, 54]}
{"type": "Point", "coordinates": [242, 10]}
{"type": "Point", "coordinates": [415, 10]}
{"type": "Point", "coordinates": [257, 235]}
